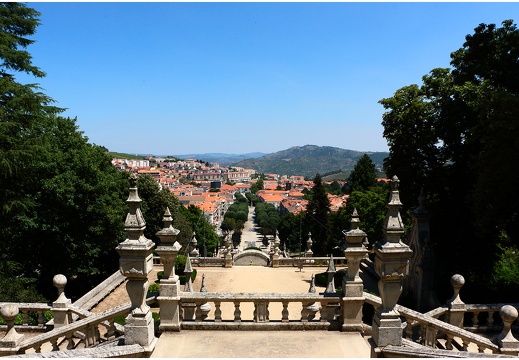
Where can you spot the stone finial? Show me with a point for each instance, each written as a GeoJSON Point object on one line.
{"type": "Point", "coordinates": [188, 287]}
{"type": "Point", "coordinates": [193, 243]}
{"type": "Point", "coordinates": [330, 288]}
{"type": "Point", "coordinates": [309, 242]}
{"type": "Point", "coordinates": [203, 288]}
{"type": "Point", "coordinates": [312, 307]}
{"type": "Point", "coordinates": [392, 265]}
{"type": "Point", "coordinates": [59, 282]}
{"type": "Point", "coordinates": [312, 285]}
{"type": "Point", "coordinates": [457, 282]}
{"type": "Point", "coordinates": [135, 263]}
{"type": "Point", "coordinates": [168, 234]}
{"type": "Point", "coordinates": [355, 221]}
{"type": "Point", "coordinates": [393, 225]}
{"type": "Point", "coordinates": [11, 338]}
{"type": "Point", "coordinates": [506, 341]}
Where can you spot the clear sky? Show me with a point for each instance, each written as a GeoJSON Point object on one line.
{"type": "Point", "coordinates": [179, 78]}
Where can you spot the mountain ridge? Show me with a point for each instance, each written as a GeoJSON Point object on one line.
{"type": "Point", "coordinates": [308, 160]}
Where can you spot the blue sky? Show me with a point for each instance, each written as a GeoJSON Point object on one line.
{"type": "Point", "coordinates": [179, 78]}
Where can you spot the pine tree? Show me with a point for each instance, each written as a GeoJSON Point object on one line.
{"type": "Point", "coordinates": [363, 176]}
{"type": "Point", "coordinates": [317, 210]}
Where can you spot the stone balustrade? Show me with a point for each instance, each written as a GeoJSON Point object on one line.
{"type": "Point", "coordinates": [85, 331]}
{"type": "Point", "coordinates": [261, 311]}
{"type": "Point", "coordinates": [208, 261]}
{"type": "Point", "coordinates": [38, 309]}
{"type": "Point", "coordinates": [311, 261]}
{"type": "Point", "coordinates": [482, 316]}
{"type": "Point", "coordinates": [425, 329]}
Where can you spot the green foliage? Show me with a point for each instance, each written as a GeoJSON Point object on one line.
{"type": "Point", "coordinates": [154, 287]}
{"type": "Point", "coordinates": [317, 211]}
{"type": "Point", "coordinates": [371, 206]}
{"type": "Point", "coordinates": [118, 155]}
{"type": "Point", "coordinates": [258, 185]}
{"type": "Point", "coordinates": [363, 176]}
{"type": "Point", "coordinates": [267, 218]}
{"type": "Point", "coordinates": [465, 129]}
{"type": "Point", "coordinates": [308, 160]}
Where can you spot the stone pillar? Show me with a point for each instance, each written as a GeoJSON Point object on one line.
{"type": "Point", "coordinates": [205, 307]}
{"type": "Point", "coordinates": [392, 265]}
{"type": "Point", "coordinates": [228, 253]}
{"type": "Point", "coordinates": [312, 307]}
{"type": "Point", "coordinates": [330, 310]}
{"type": "Point", "coordinates": [194, 252]}
{"type": "Point", "coordinates": [419, 285]}
{"type": "Point", "coordinates": [189, 308]}
{"type": "Point", "coordinates": [309, 242]}
{"type": "Point", "coordinates": [60, 307]}
{"type": "Point", "coordinates": [275, 254]}
{"type": "Point", "coordinates": [506, 341]}
{"type": "Point", "coordinates": [10, 343]}
{"type": "Point", "coordinates": [455, 304]}
{"type": "Point", "coordinates": [169, 286]}
{"type": "Point", "coordinates": [352, 286]}
{"type": "Point", "coordinates": [136, 262]}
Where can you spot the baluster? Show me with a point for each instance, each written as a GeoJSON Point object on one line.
{"type": "Point", "coordinates": [475, 319]}
{"type": "Point", "coordinates": [217, 311]}
{"type": "Point", "coordinates": [448, 344]}
{"type": "Point", "coordinates": [481, 348]}
{"type": "Point", "coordinates": [70, 344]}
{"type": "Point", "coordinates": [466, 344]}
{"type": "Point", "coordinates": [304, 312]}
{"type": "Point", "coordinates": [490, 318]}
{"type": "Point", "coordinates": [198, 311]}
{"type": "Point", "coordinates": [323, 312]}
{"type": "Point", "coordinates": [422, 334]}
{"type": "Point", "coordinates": [41, 318]}
{"type": "Point", "coordinates": [25, 316]}
{"type": "Point", "coordinates": [409, 329]}
{"type": "Point", "coordinates": [37, 349]}
{"type": "Point", "coordinates": [54, 343]}
{"type": "Point", "coordinates": [430, 336]}
{"type": "Point", "coordinates": [284, 312]}
{"type": "Point", "coordinates": [110, 332]}
{"type": "Point", "coordinates": [237, 311]}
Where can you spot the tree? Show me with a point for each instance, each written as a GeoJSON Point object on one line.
{"type": "Point", "coordinates": [464, 139]}
{"type": "Point", "coordinates": [317, 211]}
{"type": "Point", "coordinates": [62, 201]}
{"type": "Point", "coordinates": [363, 176]}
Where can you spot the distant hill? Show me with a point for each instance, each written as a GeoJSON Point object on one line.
{"type": "Point", "coordinates": [309, 160]}
{"type": "Point", "coordinates": [222, 159]}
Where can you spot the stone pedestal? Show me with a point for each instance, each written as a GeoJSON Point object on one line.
{"type": "Point", "coordinates": [139, 330]}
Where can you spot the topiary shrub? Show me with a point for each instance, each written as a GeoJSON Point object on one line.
{"type": "Point", "coordinates": [153, 288]}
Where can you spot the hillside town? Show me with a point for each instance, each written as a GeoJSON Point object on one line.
{"type": "Point", "coordinates": [211, 187]}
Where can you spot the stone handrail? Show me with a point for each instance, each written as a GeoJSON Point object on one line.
{"type": "Point", "coordinates": [94, 296]}
{"type": "Point", "coordinates": [25, 308]}
{"type": "Point", "coordinates": [195, 311]}
{"type": "Point", "coordinates": [88, 326]}
{"type": "Point", "coordinates": [208, 261]}
{"type": "Point", "coordinates": [490, 309]}
{"type": "Point", "coordinates": [311, 261]}
{"type": "Point", "coordinates": [430, 327]}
